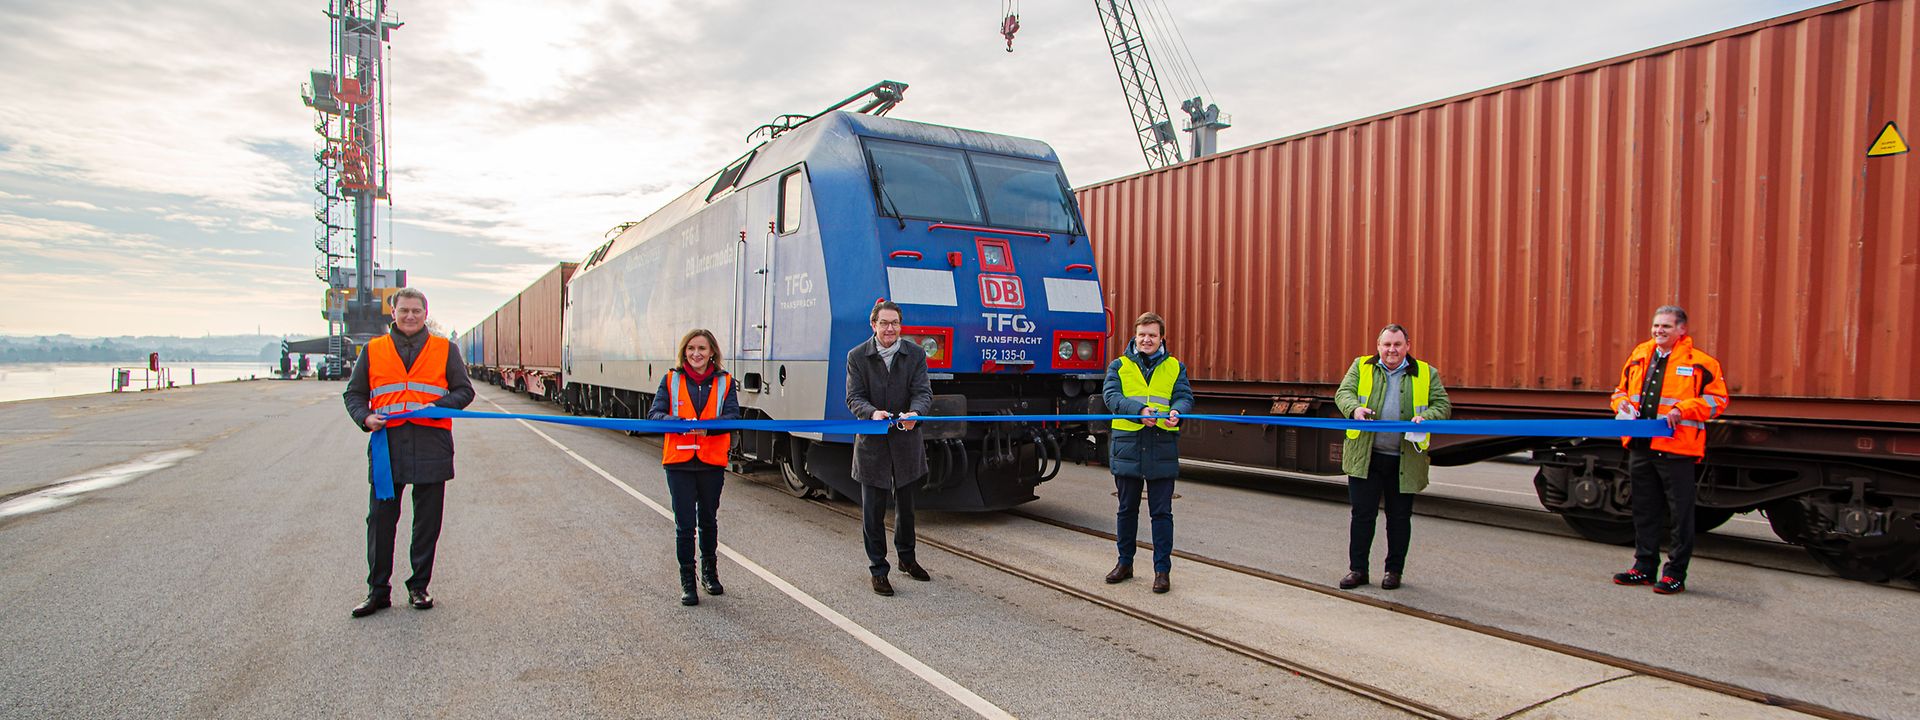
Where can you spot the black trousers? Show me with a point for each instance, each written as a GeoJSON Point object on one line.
{"type": "Point", "coordinates": [1365, 494]}
{"type": "Point", "coordinates": [873, 527]}
{"type": "Point", "coordinates": [696, 503]}
{"type": "Point", "coordinates": [1664, 487]}
{"type": "Point", "coordinates": [383, 518]}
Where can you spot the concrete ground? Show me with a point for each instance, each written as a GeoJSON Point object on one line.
{"type": "Point", "coordinates": [214, 580]}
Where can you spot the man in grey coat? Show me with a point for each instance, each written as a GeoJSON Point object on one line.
{"type": "Point", "coordinates": [887, 380]}
{"type": "Point", "coordinates": [1148, 382]}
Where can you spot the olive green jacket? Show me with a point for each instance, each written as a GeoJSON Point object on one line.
{"type": "Point", "coordinates": [1357, 452]}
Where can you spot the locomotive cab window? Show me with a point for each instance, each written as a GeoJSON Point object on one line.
{"type": "Point", "coordinates": [730, 176]}
{"type": "Point", "coordinates": [917, 181]}
{"type": "Point", "coordinates": [792, 187]}
{"type": "Point", "coordinates": [1023, 193]}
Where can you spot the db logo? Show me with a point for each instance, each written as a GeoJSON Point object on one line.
{"type": "Point", "coordinates": [1002, 291]}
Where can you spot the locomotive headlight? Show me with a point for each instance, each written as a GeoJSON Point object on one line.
{"type": "Point", "coordinates": [1086, 348]}
{"type": "Point", "coordinates": [930, 345]}
{"type": "Point", "coordinates": [1066, 350]}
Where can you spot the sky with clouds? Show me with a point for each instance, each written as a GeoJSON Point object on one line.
{"type": "Point", "coordinates": [156, 161]}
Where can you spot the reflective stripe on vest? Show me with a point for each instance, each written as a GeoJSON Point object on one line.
{"type": "Point", "coordinates": [1422, 394]}
{"type": "Point", "coordinates": [1156, 394]}
{"type": "Point", "coordinates": [711, 448]}
{"type": "Point", "coordinates": [398, 388]}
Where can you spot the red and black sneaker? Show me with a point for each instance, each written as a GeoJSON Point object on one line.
{"type": "Point", "coordinates": [1633, 577]}
{"type": "Point", "coordinates": [1669, 585]}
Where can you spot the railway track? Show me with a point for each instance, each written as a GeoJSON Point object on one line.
{"type": "Point", "coordinates": [1380, 695]}
{"type": "Point", "coordinates": [1321, 488]}
{"type": "Point", "coordinates": [1357, 688]}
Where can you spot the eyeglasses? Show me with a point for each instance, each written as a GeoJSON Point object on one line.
{"type": "Point", "coordinates": [887, 323]}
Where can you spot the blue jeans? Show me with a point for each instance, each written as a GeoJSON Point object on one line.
{"type": "Point", "coordinates": [696, 502]}
{"type": "Point", "coordinates": [1159, 508]}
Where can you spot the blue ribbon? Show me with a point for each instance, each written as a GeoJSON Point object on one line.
{"type": "Point", "coordinates": [381, 463]}
{"type": "Point", "coordinates": [1510, 428]}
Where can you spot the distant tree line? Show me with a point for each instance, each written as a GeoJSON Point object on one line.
{"type": "Point", "coordinates": [42, 350]}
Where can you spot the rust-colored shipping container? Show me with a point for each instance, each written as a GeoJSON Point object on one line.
{"type": "Point", "coordinates": [507, 319]}
{"type": "Point", "coordinates": [490, 339]}
{"type": "Point", "coordinates": [540, 325]}
{"type": "Point", "coordinates": [1525, 233]}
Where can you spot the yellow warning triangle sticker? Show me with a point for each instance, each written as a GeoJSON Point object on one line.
{"type": "Point", "coordinates": [1889, 142]}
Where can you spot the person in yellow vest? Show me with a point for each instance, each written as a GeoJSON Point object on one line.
{"type": "Point", "coordinates": [1148, 382]}
{"type": "Point", "coordinates": [1390, 385]}
{"type": "Point", "coordinates": [405, 369]}
{"type": "Point", "coordinates": [696, 461]}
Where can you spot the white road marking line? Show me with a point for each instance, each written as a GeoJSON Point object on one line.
{"type": "Point", "coordinates": [1481, 489]}
{"type": "Point", "coordinates": [932, 677]}
{"type": "Point", "coordinates": [65, 490]}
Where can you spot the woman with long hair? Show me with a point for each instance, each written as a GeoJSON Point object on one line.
{"type": "Point", "coordinates": [696, 460]}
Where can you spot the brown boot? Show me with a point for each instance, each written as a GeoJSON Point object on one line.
{"type": "Point", "coordinates": [1160, 583]}
{"type": "Point", "coordinates": [1121, 571]}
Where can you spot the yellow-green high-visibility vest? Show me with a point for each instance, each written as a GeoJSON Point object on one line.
{"type": "Point", "coordinates": [1156, 394]}
{"type": "Point", "coordinates": [1422, 392]}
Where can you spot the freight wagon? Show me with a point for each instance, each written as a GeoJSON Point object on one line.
{"type": "Point", "coordinates": [1525, 233]}
{"type": "Point", "coordinates": [525, 357]}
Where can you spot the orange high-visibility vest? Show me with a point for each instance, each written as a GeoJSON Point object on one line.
{"type": "Point", "coordinates": [397, 388]}
{"type": "Point", "coordinates": [1693, 383]}
{"type": "Point", "coordinates": [710, 448]}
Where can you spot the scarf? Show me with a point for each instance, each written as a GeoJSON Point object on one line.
{"type": "Point", "coordinates": [699, 378]}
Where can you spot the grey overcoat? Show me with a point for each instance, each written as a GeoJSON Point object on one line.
{"type": "Point", "coordinates": [898, 457]}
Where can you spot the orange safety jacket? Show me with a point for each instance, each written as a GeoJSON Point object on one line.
{"type": "Point", "coordinates": [397, 388]}
{"type": "Point", "coordinates": [1693, 383]}
{"type": "Point", "coordinates": [710, 448]}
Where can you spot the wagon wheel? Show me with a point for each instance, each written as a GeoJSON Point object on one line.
{"type": "Point", "coordinates": [1706, 518]}
{"type": "Point", "coordinates": [793, 471]}
{"type": "Point", "coordinates": [1552, 483]}
{"type": "Point", "coordinates": [1891, 556]}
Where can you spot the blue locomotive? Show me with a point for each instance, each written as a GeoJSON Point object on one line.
{"type": "Point", "coordinates": [783, 252]}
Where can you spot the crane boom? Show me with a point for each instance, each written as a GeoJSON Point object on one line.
{"type": "Point", "coordinates": [1145, 101]}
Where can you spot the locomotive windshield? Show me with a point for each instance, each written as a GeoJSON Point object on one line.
{"type": "Point", "coordinates": [1023, 193]}
{"type": "Point", "coordinates": [924, 182]}
{"type": "Point", "coordinates": [944, 184]}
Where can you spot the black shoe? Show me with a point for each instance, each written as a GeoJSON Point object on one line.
{"type": "Point", "coordinates": [419, 599]}
{"type": "Point", "coordinates": [1121, 571]}
{"type": "Point", "coordinates": [913, 570]}
{"type": "Point", "coordinates": [1160, 583]}
{"type": "Point", "coordinates": [371, 605]}
{"type": "Point", "coordinates": [1632, 577]}
{"type": "Point", "coordinates": [1670, 585]}
{"type": "Point", "coordinates": [687, 594]}
{"type": "Point", "coordinates": [881, 586]}
{"type": "Point", "coordinates": [1353, 580]}
{"type": "Point", "coordinates": [710, 578]}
